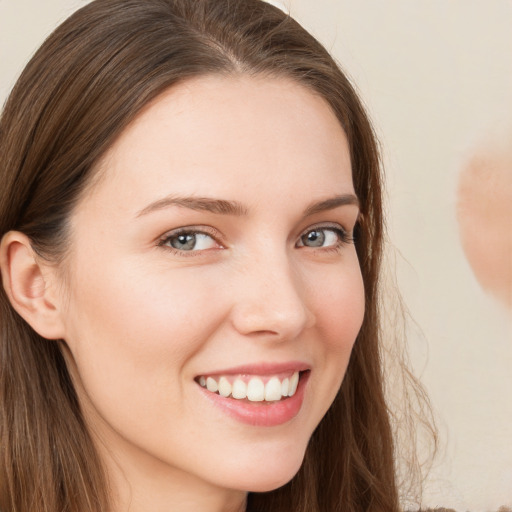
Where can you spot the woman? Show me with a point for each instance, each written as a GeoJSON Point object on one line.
{"type": "Point", "coordinates": [191, 230]}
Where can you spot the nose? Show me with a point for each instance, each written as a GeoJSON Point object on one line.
{"type": "Point", "coordinates": [270, 300]}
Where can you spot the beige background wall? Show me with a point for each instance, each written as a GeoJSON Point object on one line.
{"type": "Point", "coordinates": [437, 78]}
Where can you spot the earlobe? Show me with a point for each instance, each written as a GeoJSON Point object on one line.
{"type": "Point", "coordinates": [25, 279]}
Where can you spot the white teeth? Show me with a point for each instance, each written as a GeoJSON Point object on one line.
{"type": "Point", "coordinates": [273, 390]}
{"type": "Point", "coordinates": [294, 381]}
{"type": "Point", "coordinates": [239, 390]}
{"type": "Point", "coordinates": [255, 390]}
{"type": "Point", "coordinates": [224, 387]}
{"type": "Point", "coordinates": [285, 386]}
{"type": "Point", "coordinates": [211, 385]}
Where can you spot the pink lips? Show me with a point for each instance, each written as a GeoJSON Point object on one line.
{"type": "Point", "coordinates": [265, 414]}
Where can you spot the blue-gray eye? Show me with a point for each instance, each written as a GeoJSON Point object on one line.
{"type": "Point", "coordinates": [191, 241]}
{"type": "Point", "coordinates": [322, 237]}
{"type": "Point", "coordinates": [314, 238]}
{"type": "Point", "coordinates": [183, 242]}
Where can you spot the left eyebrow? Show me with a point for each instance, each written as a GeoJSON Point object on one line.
{"type": "Point", "coordinates": [331, 204]}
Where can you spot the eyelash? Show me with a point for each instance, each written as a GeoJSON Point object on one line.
{"type": "Point", "coordinates": [344, 238]}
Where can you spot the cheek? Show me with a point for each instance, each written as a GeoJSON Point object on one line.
{"type": "Point", "coordinates": [131, 331]}
{"type": "Point", "coordinates": [140, 305]}
{"type": "Point", "coordinates": [340, 307]}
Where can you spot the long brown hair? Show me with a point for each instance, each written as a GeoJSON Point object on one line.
{"type": "Point", "coordinates": [80, 90]}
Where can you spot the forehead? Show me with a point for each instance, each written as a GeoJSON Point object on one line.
{"type": "Point", "coordinates": [213, 135]}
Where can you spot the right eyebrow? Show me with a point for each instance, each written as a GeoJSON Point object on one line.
{"type": "Point", "coordinates": [208, 204]}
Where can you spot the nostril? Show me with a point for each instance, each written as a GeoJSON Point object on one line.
{"type": "Point", "coordinates": [271, 302]}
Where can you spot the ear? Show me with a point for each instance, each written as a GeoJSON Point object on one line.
{"type": "Point", "coordinates": [29, 283]}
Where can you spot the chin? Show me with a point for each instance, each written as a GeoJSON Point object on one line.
{"type": "Point", "coordinates": [274, 473]}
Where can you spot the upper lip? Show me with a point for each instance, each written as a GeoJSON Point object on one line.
{"type": "Point", "coordinates": [262, 369]}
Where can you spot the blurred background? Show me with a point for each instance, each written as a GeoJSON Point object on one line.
{"type": "Point", "coordinates": [436, 77]}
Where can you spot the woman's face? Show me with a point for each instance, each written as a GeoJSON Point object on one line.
{"type": "Point", "coordinates": [215, 250]}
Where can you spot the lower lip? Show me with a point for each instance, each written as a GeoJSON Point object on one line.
{"type": "Point", "coordinates": [262, 414]}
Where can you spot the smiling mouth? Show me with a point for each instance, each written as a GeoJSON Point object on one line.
{"type": "Point", "coordinates": [269, 388]}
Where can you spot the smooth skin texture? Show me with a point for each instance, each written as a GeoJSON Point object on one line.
{"type": "Point", "coordinates": [272, 276]}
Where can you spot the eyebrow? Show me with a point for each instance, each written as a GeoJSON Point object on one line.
{"type": "Point", "coordinates": [332, 203]}
{"type": "Point", "coordinates": [225, 207]}
{"type": "Point", "coordinates": [220, 206]}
